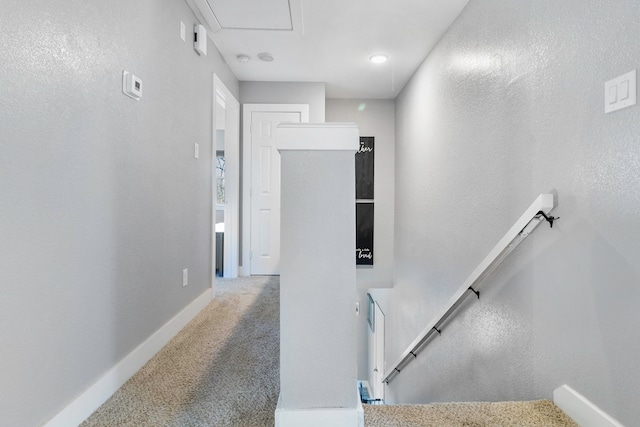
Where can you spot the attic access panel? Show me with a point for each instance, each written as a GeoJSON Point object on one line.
{"type": "Point", "coordinates": [252, 14]}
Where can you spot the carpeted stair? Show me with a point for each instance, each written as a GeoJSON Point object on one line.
{"type": "Point", "coordinates": [538, 413]}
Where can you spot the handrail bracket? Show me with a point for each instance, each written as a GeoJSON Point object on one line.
{"type": "Point", "coordinates": [548, 218]}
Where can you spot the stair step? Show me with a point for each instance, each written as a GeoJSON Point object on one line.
{"type": "Point", "coordinates": [474, 414]}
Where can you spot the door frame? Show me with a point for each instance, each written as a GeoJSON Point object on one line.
{"type": "Point", "coordinates": [247, 111]}
{"type": "Point", "coordinates": [379, 349]}
{"type": "Point", "coordinates": [232, 181]}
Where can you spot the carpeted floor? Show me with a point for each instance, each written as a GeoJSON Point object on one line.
{"type": "Point", "coordinates": [538, 413]}
{"type": "Point", "coordinates": [222, 369]}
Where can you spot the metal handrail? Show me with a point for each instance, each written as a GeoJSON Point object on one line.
{"type": "Point", "coordinates": [534, 215]}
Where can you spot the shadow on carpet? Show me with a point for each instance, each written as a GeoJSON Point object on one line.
{"type": "Point", "coordinates": [222, 369]}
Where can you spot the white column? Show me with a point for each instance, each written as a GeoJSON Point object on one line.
{"type": "Point", "coordinates": [318, 384]}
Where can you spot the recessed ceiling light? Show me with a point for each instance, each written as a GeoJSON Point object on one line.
{"type": "Point", "coordinates": [266, 57]}
{"type": "Point", "coordinates": [243, 59]}
{"type": "Point", "coordinates": [379, 58]}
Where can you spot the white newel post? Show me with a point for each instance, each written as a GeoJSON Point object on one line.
{"type": "Point", "coordinates": [318, 384]}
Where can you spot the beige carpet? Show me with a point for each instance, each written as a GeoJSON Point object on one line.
{"type": "Point", "coordinates": [222, 369]}
{"type": "Point", "coordinates": [539, 413]}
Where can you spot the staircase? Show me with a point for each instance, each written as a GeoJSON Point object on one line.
{"type": "Point", "coordinates": [484, 414]}
{"type": "Point", "coordinates": [477, 414]}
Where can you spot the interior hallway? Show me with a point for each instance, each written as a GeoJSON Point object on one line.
{"type": "Point", "coordinates": [221, 370]}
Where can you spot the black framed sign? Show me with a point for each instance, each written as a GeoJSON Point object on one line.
{"type": "Point", "coordinates": [364, 233]}
{"type": "Point", "coordinates": [364, 168]}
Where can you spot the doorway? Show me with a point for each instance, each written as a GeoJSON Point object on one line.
{"type": "Point", "coordinates": [261, 184]}
{"type": "Point", "coordinates": [226, 181]}
{"type": "Point", "coordinates": [377, 364]}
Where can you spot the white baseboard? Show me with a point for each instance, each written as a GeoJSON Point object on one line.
{"type": "Point", "coordinates": [581, 410]}
{"type": "Point", "coordinates": [91, 399]}
{"type": "Point", "coordinates": [320, 417]}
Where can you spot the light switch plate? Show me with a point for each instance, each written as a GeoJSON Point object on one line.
{"type": "Point", "coordinates": [196, 150]}
{"type": "Point", "coordinates": [620, 92]}
{"type": "Point", "coordinates": [185, 277]}
{"type": "Point", "coordinates": [183, 31]}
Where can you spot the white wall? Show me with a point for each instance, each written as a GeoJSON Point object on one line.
{"type": "Point", "coordinates": [286, 93]}
{"type": "Point", "coordinates": [374, 117]}
{"type": "Point", "coordinates": [507, 106]}
{"type": "Point", "coordinates": [312, 94]}
{"type": "Point", "coordinates": [101, 201]}
{"type": "Point", "coordinates": [318, 282]}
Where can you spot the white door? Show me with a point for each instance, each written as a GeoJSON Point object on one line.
{"type": "Point", "coordinates": [378, 354]}
{"type": "Point", "coordinates": [264, 257]}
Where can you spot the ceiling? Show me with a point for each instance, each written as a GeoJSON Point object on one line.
{"type": "Point", "coordinates": [328, 41]}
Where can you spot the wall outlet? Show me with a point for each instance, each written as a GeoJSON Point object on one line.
{"type": "Point", "coordinates": [185, 277]}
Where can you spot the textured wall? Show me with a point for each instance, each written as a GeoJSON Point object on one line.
{"type": "Point", "coordinates": [374, 117]}
{"type": "Point", "coordinates": [318, 281]}
{"type": "Point", "coordinates": [101, 201]}
{"type": "Point", "coordinates": [507, 106]}
{"type": "Point", "coordinates": [286, 93]}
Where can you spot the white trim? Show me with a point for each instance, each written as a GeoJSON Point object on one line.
{"type": "Point", "coordinates": [91, 399]}
{"type": "Point", "coordinates": [205, 15]}
{"type": "Point", "coordinates": [247, 111]}
{"type": "Point", "coordinates": [324, 137]}
{"type": "Point", "coordinates": [320, 417]}
{"type": "Point", "coordinates": [379, 332]}
{"type": "Point", "coordinates": [232, 181]}
{"type": "Point", "coordinates": [581, 410]}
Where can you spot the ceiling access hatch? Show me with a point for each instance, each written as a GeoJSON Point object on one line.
{"type": "Point", "coordinates": [274, 15]}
